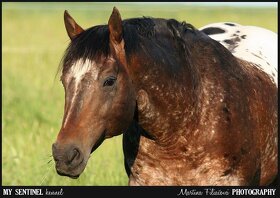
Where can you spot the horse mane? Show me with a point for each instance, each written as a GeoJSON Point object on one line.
{"type": "Point", "coordinates": [94, 41]}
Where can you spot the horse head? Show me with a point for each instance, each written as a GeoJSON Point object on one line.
{"type": "Point", "coordinates": [99, 95]}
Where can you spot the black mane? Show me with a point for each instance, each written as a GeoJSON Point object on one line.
{"type": "Point", "coordinates": [94, 42]}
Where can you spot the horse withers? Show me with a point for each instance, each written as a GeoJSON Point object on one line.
{"type": "Point", "coordinates": [191, 113]}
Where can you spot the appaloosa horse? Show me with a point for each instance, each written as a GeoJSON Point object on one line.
{"type": "Point", "coordinates": [250, 43]}
{"type": "Point", "coordinates": [190, 112]}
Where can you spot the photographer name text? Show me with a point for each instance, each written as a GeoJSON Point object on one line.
{"type": "Point", "coordinates": [219, 192]}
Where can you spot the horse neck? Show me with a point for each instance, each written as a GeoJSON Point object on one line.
{"type": "Point", "coordinates": [172, 98]}
{"type": "Point", "coordinates": [176, 97]}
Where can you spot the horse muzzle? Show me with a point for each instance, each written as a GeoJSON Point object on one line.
{"type": "Point", "coordinates": [69, 160]}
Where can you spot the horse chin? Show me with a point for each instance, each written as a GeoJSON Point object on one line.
{"type": "Point", "coordinates": [68, 175]}
{"type": "Point", "coordinates": [73, 173]}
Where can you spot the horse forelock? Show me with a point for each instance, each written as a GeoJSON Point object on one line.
{"type": "Point", "coordinates": [93, 43]}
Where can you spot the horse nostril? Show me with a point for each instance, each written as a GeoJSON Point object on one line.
{"type": "Point", "coordinates": [68, 155]}
{"type": "Point", "coordinates": [74, 155]}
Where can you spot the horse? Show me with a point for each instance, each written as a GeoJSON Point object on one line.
{"type": "Point", "coordinates": [250, 43]}
{"type": "Point", "coordinates": [190, 112]}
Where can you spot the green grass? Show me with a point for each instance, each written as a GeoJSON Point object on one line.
{"type": "Point", "coordinates": [34, 39]}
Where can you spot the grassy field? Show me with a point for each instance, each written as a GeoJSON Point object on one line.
{"type": "Point", "coordinates": [33, 42]}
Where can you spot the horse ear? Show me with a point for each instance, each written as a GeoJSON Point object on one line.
{"type": "Point", "coordinates": [72, 28]}
{"type": "Point", "coordinates": [115, 27]}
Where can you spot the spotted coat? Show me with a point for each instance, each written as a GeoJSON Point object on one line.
{"type": "Point", "coordinates": [250, 43]}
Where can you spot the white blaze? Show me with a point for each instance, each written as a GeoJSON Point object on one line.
{"type": "Point", "coordinates": [81, 67]}
{"type": "Point", "coordinates": [77, 72]}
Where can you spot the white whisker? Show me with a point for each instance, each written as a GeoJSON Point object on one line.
{"type": "Point", "coordinates": [47, 173]}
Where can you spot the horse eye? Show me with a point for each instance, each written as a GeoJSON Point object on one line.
{"type": "Point", "coordinates": [109, 81]}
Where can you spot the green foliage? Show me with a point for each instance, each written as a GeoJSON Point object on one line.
{"type": "Point", "coordinates": [34, 40]}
